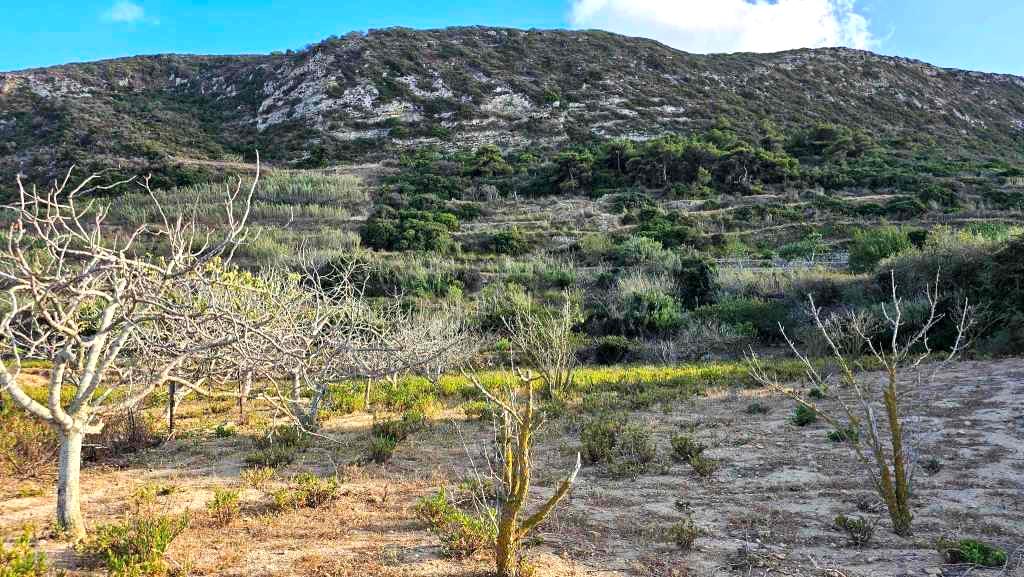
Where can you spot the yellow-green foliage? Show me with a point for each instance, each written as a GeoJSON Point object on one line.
{"type": "Point", "coordinates": [135, 546]}
{"type": "Point", "coordinates": [21, 560]}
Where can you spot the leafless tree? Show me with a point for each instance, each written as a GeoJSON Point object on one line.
{"type": "Point", "coordinates": [115, 321]}
{"type": "Point", "coordinates": [546, 342]}
{"type": "Point", "coordinates": [886, 446]}
{"type": "Point", "coordinates": [324, 330]}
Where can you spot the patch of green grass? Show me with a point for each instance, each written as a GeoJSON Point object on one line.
{"type": "Point", "coordinates": [971, 551]}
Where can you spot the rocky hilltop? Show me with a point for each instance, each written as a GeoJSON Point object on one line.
{"type": "Point", "coordinates": [361, 96]}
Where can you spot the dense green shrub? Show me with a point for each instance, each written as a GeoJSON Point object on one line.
{"type": "Point", "coordinates": [612, 349]}
{"type": "Point", "coordinates": [410, 229]}
{"type": "Point", "coordinates": [870, 246]}
{"type": "Point", "coordinates": [512, 242]}
{"type": "Point", "coordinates": [650, 313]}
{"type": "Point", "coordinates": [759, 316]}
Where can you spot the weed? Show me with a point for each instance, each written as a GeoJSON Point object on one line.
{"type": "Point", "coordinates": [135, 546]}
{"type": "Point", "coordinates": [257, 477]}
{"type": "Point", "coordinates": [21, 560]}
{"type": "Point", "coordinates": [307, 490]}
{"type": "Point", "coordinates": [273, 457]}
{"type": "Point", "coordinates": [847, 434]}
{"type": "Point", "coordinates": [757, 408]}
{"type": "Point", "coordinates": [932, 466]}
{"type": "Point", "coordinates": [860, 530]}
{"type": "Point", "coordinates": [461, 534]}
{"type": "Point", "coordinates": [803, 416]}
{"type": "Point", "coordinates": [703, 465]}
{"type": "Point", "coordinates": [684, 447]}
{"type": "Point", "coordinates": [381, 448]}
{"type": "Point", "coordinates": [224, 430]}
{"type": "Point", "coordinates": [599, 437]}
{"type": "Point", "coordinates": [971, 551]}
{"type": "Point", "coordinates": [278, 447]}
{"type": "Point", "coordinates": [634, 453]}
{"type": "Point", "coordinates": [684, 533]}
{"type": "Point", "coordinates": [224, 507]}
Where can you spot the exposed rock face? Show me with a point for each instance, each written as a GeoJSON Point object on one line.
{"type": "Point", "coordinates": [364, 94]}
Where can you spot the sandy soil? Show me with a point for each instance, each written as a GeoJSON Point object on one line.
{"type": "Point", "coordinates": [767, 511]}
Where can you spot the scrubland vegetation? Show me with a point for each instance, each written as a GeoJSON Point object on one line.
{"type": "Point", "coordinates": [610, 358]}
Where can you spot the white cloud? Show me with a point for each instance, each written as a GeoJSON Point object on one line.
{"type": "Point", "coordinates": [707, 26]}
{"type": "Point", "coordinates": [125, 11]}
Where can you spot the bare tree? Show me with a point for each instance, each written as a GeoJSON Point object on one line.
{"type": "Point", "coordinates": [546, 342]}
{"type": "Point", "coordinates": [325, 330]}
{"type": "Point", "coordinates": [889, 456]}
{"type": "Point", "coordinates": [517, 421]}
{"type": "Point", "coordinates": [115, 321]}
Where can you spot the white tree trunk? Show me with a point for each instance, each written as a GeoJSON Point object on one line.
{"type": "Point", "coordinates": [69, 504]}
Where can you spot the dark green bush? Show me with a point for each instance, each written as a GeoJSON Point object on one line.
{"type": "Point", "coordinates": [684, 447]}
{"type": "Point", "coordinates": [512, 242]}
{"type": "Point", "coordinates": [612, 349]}
{"type": "Point", "coordinates": [873, 245]}
{"type": "Point", "coordinates": [803, 416]}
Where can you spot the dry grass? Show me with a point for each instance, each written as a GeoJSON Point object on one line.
{"type": "Point", "coordinates": [770, 506]}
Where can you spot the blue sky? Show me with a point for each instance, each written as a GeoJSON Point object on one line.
{"type": "Point", "coordinates": [983, 35]}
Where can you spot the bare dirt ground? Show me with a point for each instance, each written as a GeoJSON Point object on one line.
{"type": "Point", "coordinates": [768, 510]}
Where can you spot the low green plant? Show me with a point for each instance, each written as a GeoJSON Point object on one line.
{"type": "Point", "coordinates": [703, 465]}
{"type": "Point", "coordinates": [932, 466]}
{"type": "Point", "coordinates": [277, 447]}
{"type": "Point", "coordinates": [224, 507]}
{"type": "Point", "coordinates": [685, 447]}
{"type": "Point", "coordinates": [224, 430]}
{"type": "Point", "coordinates": [272, 457]}
{"type": "Point", "coordinates": [135, 546]}
{"type": "Point", "coordinates": [684, 533]}
{"type": "Point", "coordinates": [257, 477]}
{"type": "Point", "coordinates": [803, 416]}
{"type": "Point", "coordinates": [635, 451]}
{"type": "Point", "coordinates": [844, 435]}
{"type": "Point", "coordinates": [599, 437]}
{"type": "Point", "coordinates": [306, 491]}
{"type": "Point", "coordinates": [380, 449]}
{"type": "Point", "coordinates": [756, 408]}
{"type": "Point", "coordinates": [860, 530]}
{"type": "Point", "coordinates": [971, 551]}
{"type": "Point", "coordinates": [461, 534]}
{"type": "Point", "coordinates": [478, 410]}
{"type": "Point", "coordinates": [20, 559]}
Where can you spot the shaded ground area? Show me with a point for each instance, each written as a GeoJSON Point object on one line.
{"type": "Point", "coordinates": [768, 510]}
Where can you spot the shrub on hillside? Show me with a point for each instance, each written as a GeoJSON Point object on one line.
{"type": "Point", "coordinates": [871, 246]}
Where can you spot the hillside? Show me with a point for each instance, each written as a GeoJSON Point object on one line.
{"type": "Point", "coordinates": [364, 96]}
